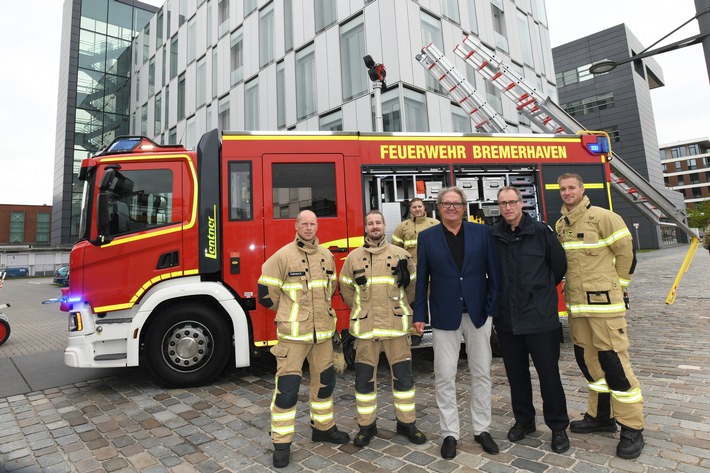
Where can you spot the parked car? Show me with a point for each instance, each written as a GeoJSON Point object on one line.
{"type": "Point", "coordinates": [61, 276]}
{"type": "Point", "coordinates": [16, 271]}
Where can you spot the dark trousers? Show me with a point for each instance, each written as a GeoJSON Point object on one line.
{"type": "Point", "coordinates": [544, 348]}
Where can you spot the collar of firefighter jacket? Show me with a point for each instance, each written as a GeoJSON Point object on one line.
{"type": "Point", "coordinates": [571, 216]}
{"type": "Point", "coordinates": [309, 248]}
{"type": "Point", "coordinates": [375, 248]}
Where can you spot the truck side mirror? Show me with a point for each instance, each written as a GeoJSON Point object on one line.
{"type": "Point", "coordinates": [106, 180]}
{"type": "Point", "coordinates": [102, 218]}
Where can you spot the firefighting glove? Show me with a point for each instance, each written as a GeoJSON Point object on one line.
{"type": "Point", "coordinates": [338, 357]}
{"type": "Point", "coordinates": [401, 273]}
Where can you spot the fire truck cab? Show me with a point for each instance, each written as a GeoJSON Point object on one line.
{"type": "Point", "coordinates": [172, 241]}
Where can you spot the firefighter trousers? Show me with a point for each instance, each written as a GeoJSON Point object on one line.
{"type": "Point", "coordinates": [600, 347]}
{"type": "Point", "coordinates": [399, 356]}
{"type": "Point", "coordinates": [289, 371]}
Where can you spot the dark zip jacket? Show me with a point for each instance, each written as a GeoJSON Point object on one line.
{"type": "Point", "coordinates": [532, 262]}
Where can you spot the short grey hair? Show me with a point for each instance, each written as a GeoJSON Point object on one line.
{"type": "Point", "coordinates": [458, 190]}
{"type": "Point", "coordinates": [510, 188]}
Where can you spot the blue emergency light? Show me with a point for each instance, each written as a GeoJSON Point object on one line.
{"type": "Point", "coordinates": [601, 146]}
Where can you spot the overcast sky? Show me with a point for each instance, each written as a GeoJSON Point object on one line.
{"type": "Point", "coordinates": [30, 58]}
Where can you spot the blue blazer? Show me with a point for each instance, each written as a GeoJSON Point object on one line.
{"type": "Point", "coordinates": [437, 275]}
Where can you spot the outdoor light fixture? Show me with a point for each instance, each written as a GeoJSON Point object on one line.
{"type": "Point", "coordinates": [608, 65]}
{"type": "Point", "coordinates": [375, 71]}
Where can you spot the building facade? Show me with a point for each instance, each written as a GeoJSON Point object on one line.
{"type": "Point", "coordinates": [686, 169]}
{"type": "Point", "coordinates": [298, 64]}
{"type": "Point", "coordinates": [618, 102]}
{"type": "Point", "coordinates": [25, 225]}
{"type": "Point", "coordinates": [94, 95]}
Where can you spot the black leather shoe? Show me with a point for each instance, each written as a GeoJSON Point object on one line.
{"type": "Point", "coordinates": [631, 443]}
{"type": "Point", "coordinates": [560, 441]}
{"type": "Point", "coordinates": [332, 435]}
{"type": "Point", "coordinates": [411, 432]}
{"type": "Point", "coordinates": [365, 434]}
{"type": "Point", "coordinates": [448, 448]}
{"type": "Point", "coordinates": [281, 454]}
{"type": "Point", "coordinates": [520, 430]}
{"type": "Point", "coordinates": [489, 445]}
{"type": "Point", "coordinates": [590, 424]}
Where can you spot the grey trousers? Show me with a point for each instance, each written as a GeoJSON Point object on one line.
{"type": "Point", "coordinates": [447, 347]}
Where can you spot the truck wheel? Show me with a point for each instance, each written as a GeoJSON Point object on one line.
{"type": "Point", "coordinates": [4, 330]}
{"type": "Point", "coordinates": [187, 345]}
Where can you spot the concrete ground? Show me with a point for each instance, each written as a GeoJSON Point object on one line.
{"type": "Point", "coordinates": [59, 419]}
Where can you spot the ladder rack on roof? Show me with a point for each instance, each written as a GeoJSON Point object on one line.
{"type": "Point", "coordinates": [542, 111]}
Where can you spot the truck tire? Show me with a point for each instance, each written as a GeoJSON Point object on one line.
{"type": "Point", "coordinates": [187, 345]}
{"type": "Point", "coordinates": [4, 330]}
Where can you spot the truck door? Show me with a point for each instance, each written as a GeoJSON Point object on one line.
{"type": "Point", "coordinates": [295, 182]}
{"type": "Point", "coordinates": [142, 234]}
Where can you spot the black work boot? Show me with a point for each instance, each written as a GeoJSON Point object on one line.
{"type": "Point", "coordinates": [591, 424]}
{"type": "Point", "coordinates": [631, 443]}
{"type": "Point", "coordinates": [332, 435]}
{"type": "Point", "coordinates": [411, 432]}
{"type": "Point", "coordinates": [365, 434]}
{"type": "Point", "coordinates": [282, 452]}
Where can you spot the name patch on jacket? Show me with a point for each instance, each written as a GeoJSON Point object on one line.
{"type": "Point", "coordinates": [296, 273]}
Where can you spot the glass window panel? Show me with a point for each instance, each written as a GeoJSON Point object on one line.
{"type": "Point", "coordinates": [472, 18]}
{"type": "Point", "coordinates": [191, 40]}
{"type": "Point", "coordinates": [331, 122]}
{"type": "Point", "coordinates": [415, 111]}
{"type": "Point", "coordinates": [181, 97]}
{"type": "Point", "coordinates": [158, 115]}
{"type": "Point", "coordinates": [236, 56]}
{"type": "Point", "coordinates": [201, 92]}
{"type": "Point", "coordinates": [173, 57]}
{"type": "Point", "coordinates": [240, 191]}
{"type": "Point", "coordinates": [43, 226]}
{"type": "Point", "coordinates": [431, 33]}
{"type": "Point", "coordinates": [121, 21]}
{"type": "Point", "coordinates": [525, 44]}
{"type": "Point", "coordinates": [352, 50]}
{"type": "Point", "coordinates": [460, 121]}
{"type": "Point", "coordinates": [305, 186]}
{"type": "Point", "coordinates": [149, 204]}
{"type": "Point", "coordinates": [306, 91]}
{"type": "Point", "coordinates": [288, 24]}
{"type": "Point", "coordinates": [94, 16]}
{"type": "Point", "coordinates": [325, 14]}
{"type": "Point", "coordinates": [280, 95]}
{"type": "Point", "coordinates": [266, 35]}
{"type": "Point", "coordinates": [251, 105]}
{"type": "Point", "coordinates": [391, 110]}
{"type": "Point", "coordinates": [450, 9]}
{"type": "Point", "coordinates": [17, 226]}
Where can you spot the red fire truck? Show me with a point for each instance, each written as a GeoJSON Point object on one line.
{"type": "Point", "coordinates": [171, 241]}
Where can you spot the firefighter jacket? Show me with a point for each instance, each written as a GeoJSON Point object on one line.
{"type": "Point", "coordinates": [600, 260]}
{"type": "Point", "coordinates": [298, 282]}
{"type": "Point", "coordinates": [380, 308]}
{"type": "Point", "coordinates": [405, 235]}
{"type": "Point", "coordinates": [532, 263]}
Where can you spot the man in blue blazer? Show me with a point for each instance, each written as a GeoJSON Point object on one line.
{"type": "Point", "coordinates": [457, 266]}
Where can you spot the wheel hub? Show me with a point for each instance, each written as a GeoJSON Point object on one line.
{"type": "Point", "coordinates": [188, 346]}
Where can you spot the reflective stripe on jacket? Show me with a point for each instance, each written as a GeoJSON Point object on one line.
{"type": "Point", "coordinates": [298, 282]}
{"type": "Point", "coordinates": [600, 260]}
{"type": "Point", "coordinates": [380, 309]}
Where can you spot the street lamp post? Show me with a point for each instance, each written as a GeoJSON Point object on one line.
{"type": "Point", "coordinates": [701, 7]}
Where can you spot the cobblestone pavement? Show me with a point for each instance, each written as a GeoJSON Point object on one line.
{"type": "Point", "coordinates": [126, 423]}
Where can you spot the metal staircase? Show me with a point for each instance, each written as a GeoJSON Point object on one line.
{"type": "Point", "coordinates": [547, 115]}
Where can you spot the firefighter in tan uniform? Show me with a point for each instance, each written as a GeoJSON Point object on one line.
{"type": "Point", "coordinates": [600, 262]}
{"type": "Point", "coordinates": [706, 238]}
{"type": "Point", "coordinates": [377, 282]}
{"type": "Point", "coordinates": [406, 233]}
{"type": "Point", "coordinates": [298, 282]}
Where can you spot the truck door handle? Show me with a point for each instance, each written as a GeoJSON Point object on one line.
{"type": "Point", "coordinates": [337, 249]}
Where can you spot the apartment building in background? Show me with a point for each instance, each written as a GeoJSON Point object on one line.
{"type": "Point", "coordinates": [619, 102]}
{"type": "Point", "coordinates": [686, 169]}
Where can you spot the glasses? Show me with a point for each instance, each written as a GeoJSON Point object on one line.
{"type": "Point", "coordinates": [452, 205]}
{"type": "Point", "coordinates": [509, 203]}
